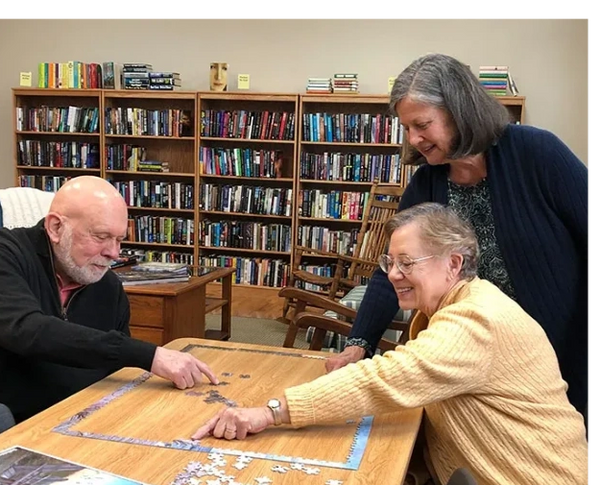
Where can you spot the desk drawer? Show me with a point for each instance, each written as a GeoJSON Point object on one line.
{"type": "Point", "coordinates": [152, 335]}
{"type": "Point", "coordinates": [146, 310]}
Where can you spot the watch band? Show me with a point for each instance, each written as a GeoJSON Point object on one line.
{"type": "Point", "coordinates": [275, 406]}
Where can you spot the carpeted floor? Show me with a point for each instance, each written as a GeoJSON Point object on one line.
{"type": "Point", "coordinates": [257, 331]}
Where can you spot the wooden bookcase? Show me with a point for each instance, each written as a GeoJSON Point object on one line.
{"type": "Point", "coordinates": [515, 106]}
{"type": "Point", "coordinates": [246, 184]}
{"type": "Point", "coordinates": [346, 142]}
{"type": "Point", "coordinates": [162, 205]}
{"type": "Point", "coordinates": [48, 151]}
{"type": "Point", "coordinates": [56, 135]}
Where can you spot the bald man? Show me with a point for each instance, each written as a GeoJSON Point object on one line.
{"type": "Point", "coordinates": [64, 317]}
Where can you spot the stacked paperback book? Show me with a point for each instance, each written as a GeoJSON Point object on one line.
{"type": "Point", "coordinates": [318, 85]}
{"type": "Point", "coordinates": [141, 76]}
{"type": "Point", "coordinates": [497, 80]}
{"type": "Point", "coordinates": [149, 273]}
{"type": "Point", "coordinates": [344, 83]}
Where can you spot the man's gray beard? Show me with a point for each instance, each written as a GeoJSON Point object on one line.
{"type": "Point", "coordinates": [79, 274]}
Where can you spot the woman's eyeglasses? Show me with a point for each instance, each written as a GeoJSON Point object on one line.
{"type": "Point", "coordinates": [403, 263]}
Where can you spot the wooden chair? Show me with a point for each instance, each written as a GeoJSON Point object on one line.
{"type": "Point", "coordinates": [322, 323]}
{"type": "Point", "coordinates": [382, 203]}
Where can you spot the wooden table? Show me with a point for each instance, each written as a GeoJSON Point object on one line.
{"type": "Point", "coordinates": [149, 408]}
{"type": "Point", "coordinates": [161, 313]}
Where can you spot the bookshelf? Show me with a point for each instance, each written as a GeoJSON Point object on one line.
{"type": "Point", "coordinates": [246, 184]}
{"type": "Point", "coordinates": [346, 142]}
{"type": "Point", "coordinates": [57, 135]}
{"type": "Point", "coordinates": [515, 106]}
{"type": "Point", "coordinates": [145, 133]}
{"type": "Point", "coordinates": [216, 165]}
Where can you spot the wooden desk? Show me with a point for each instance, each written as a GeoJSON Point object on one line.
{"type": "Point", "coordinates": [150, 409]}
{"type": "Point", "coordinates": [161, 313]}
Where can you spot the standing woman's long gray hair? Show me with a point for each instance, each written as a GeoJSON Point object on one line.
{"type": "Point", "coordinates": [442, 81]}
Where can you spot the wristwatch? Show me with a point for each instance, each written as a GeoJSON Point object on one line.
{"type": "Point", "coordinates": [275, 406]}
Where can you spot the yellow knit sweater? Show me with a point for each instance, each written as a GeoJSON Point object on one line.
{"type": "Point", "coordinates": [489, 380]}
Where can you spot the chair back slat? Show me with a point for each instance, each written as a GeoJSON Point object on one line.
{"type": "Point", "coordinates": [382, 204]}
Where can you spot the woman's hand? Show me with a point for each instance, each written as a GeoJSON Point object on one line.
{"type": "Point", "coordinates": [236, 423]}
{"type": "Point", "coordinates": [350, 355]}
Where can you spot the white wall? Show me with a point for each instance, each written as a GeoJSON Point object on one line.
{"type": "Point", "coordinates": [548, 58]}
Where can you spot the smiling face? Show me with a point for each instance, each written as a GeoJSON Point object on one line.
{"type": "Point", "coordinates": [85, 248]}
{"type": "Point", "coordinates": [85, 225]}
{"type": "Point", "coordinates": [430, 129]}
{"type": "Point", "coordinates": [429, 280]}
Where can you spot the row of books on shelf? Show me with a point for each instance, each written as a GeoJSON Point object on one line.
{"type": "Point", "coordinates": [68, 119]}
{"type": "Point", "coordinates": [241, 162]}
{"type": "Point", "coordinates": [351, 128]}
{"type": "Point", "coordinates": [93, 75]}
{"type": "Point", "coordinates": [250, 125]}
{"type": "Point", "coordinates": [46, 183]}
{"type": "Point", "coordinates": [161, 229]}
{"type": "Point", "coordinates": [247, 199]}
{"type": "Point", "coordinates": [333, 204]}
{"type": "Point", "coordinates": [70, 154]}
{"type": "Point", "coordinates": [246, 235]}
{"type": "Point", "coordinates": [351, 167]}
{"type": "Point", "coordinates": [265, 125]}
{"type": "Point", "coordinates": [156, 194]}
{"type": "Point", "coordinates": [132, 158]}
{"type": "Point", "coordinates": [148, 122]}
{"type": "Point", "coordinates": [326, 270]}
{"type": "Point", "coordinates": [328, 239]}
{"type": "Point", "coordinates": [252, 271]}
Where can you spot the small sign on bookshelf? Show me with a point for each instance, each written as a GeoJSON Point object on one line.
{"type": "Point", "coordinates": [25, 79]}
{"type": "Point", "coordinates": [391, 81]}
{"type": "Point", "coordinates": [243, 81]}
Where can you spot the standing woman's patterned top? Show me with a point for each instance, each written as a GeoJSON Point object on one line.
{"type": "Point", "coordinates": [473, 204]}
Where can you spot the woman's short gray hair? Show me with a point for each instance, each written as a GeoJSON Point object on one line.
{"type": "Point", "coordinates": [442, 81]}
{"type": "Point", "coordinates": [443, 231]}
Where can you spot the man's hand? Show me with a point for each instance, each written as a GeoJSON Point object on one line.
{"type": "Point", "coordinates": [183, 369]}
{"type": "Point", "coordinates": [350, 355]}
{"type": "Point", "coordinates": [236, 423]}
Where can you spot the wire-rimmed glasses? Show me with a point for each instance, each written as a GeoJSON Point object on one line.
{"type": "Point", "coordinates": [403, 262]}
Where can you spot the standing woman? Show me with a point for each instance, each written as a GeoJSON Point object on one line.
{"type": "Point", "coordinates": [521, 188]}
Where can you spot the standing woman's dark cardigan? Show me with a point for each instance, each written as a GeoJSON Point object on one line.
{"type": "Point", "coordinates": [539, 197]}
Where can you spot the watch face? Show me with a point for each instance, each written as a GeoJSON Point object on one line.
{"type": "Point", "coordinates": [274, 403]}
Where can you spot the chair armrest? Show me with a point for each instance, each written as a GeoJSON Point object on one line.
{"type": "Point", "coordinates": [313, 299]}
{"type": "Point", "coordinates": [307, 319]}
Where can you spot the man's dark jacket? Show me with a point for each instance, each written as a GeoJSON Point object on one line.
{"type": "Point", "coordinates": [48, 353]}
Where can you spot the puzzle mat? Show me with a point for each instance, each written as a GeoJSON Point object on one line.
{"type": "Point", "coordinates": [166, 417]}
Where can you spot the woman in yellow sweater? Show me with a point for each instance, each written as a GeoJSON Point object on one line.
{"type": "Point", "coordinates": [483, 369]}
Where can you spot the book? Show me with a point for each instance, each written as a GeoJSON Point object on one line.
{"type": "Point", "coordinates": [156, 266]}
{"type": "Point", "coordinates": [19, 465]}
{"type": "Point", "coordinates": [123, 260]}
{"type": "Point", "coordinates": [108, 75]}
{"type": "Point", "coordinates": [132, 278]}
{"type": "Point", "coordinates": [163, 74]}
